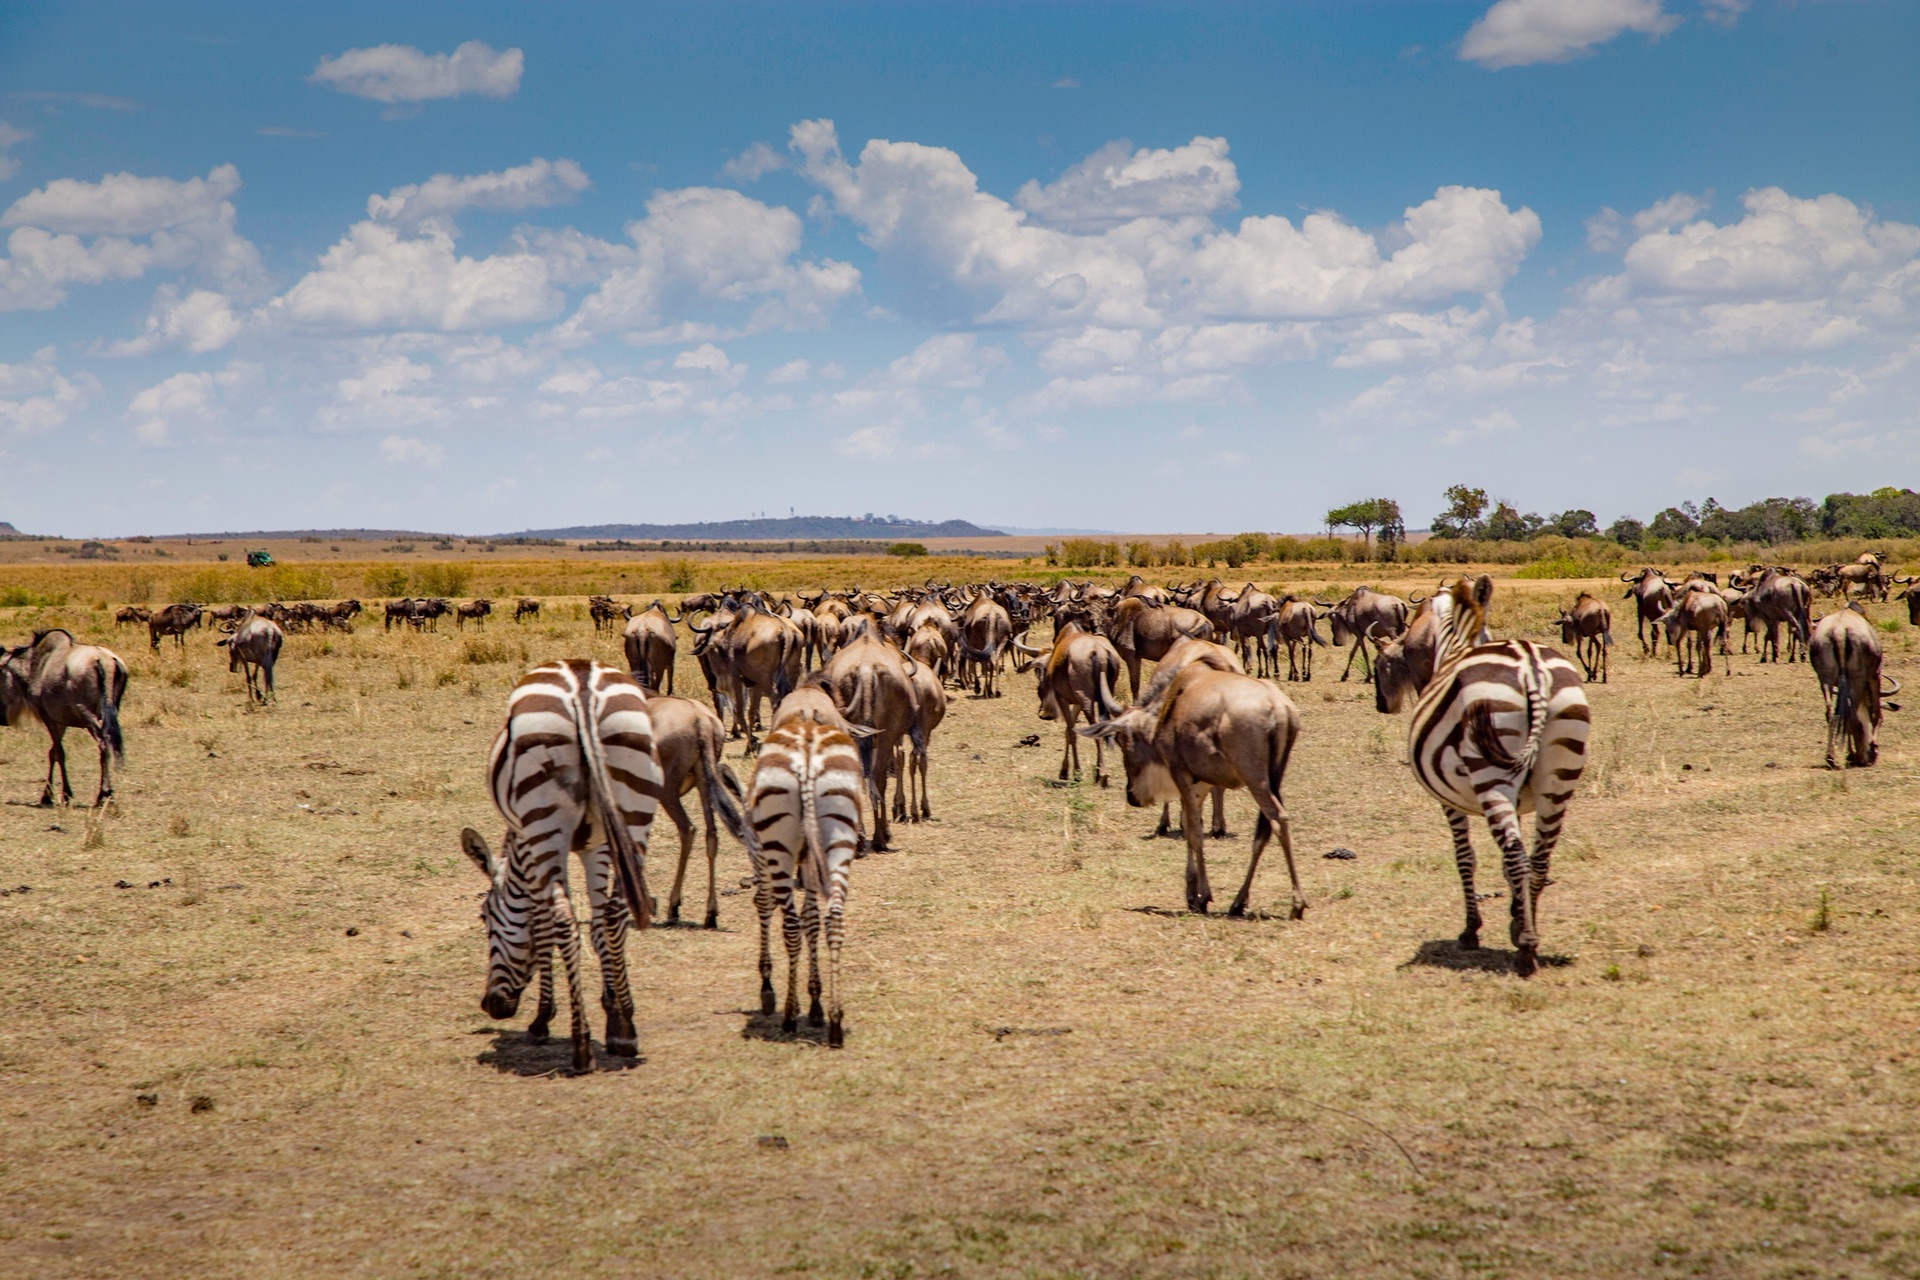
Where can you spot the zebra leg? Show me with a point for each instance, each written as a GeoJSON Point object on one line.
{"type": "Point", "coordinates": [567, 939]}
{"type": "Point", "coordinates": [836, 934]}
{"type": "Point", "coordinates": [810, 926]}
{"type": "Point", "coordinates": [609, 929]}
{"type": "Point", "coordinates": [713, 857]}
{"type": "Point", "coordinates": [790, 930]}
{"type": "Point", "coordinates": [543, 1015]}
{"type": "Point", "coordinates": [763, 907]}
{"type": "Point", "coordinates": [1463, 859]}
{"type": "Point", "coordinates": [1505, 824]}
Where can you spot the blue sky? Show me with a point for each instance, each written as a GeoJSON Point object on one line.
{"type": "Point", "coordinates": [486, 267]}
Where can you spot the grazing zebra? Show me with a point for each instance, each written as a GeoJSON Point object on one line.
{"type": "Point", "coordinates": [1500, 729]}
{"type": "Point", "coordinates": [805, 824]}
{"type": "Point", "coordinates": [573, 769]}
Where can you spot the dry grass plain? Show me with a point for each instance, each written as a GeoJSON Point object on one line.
{"type": "Point", "coordinates": [274, 1064]}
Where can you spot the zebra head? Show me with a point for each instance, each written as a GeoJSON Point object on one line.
{"type": "Point", "coordinates": [509, 914]}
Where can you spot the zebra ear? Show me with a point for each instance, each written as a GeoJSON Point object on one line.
{"type": "Point", "coordinates": [1482, 590]}
{"type": "Point", "coordinates": [476, 849]}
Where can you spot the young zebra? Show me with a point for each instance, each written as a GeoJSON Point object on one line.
{"type": "Point", "coordinates": [806, 820]}
{"type": "Point", "coordinates": [1500, 729]}
{"type": "Point", "coordinates": [573, 769]}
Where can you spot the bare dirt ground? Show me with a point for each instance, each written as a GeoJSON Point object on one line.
{"type": "Point", "coordinates": [266, 1058]}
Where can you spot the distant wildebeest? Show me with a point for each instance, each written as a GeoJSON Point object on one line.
{"type": "Point", "coordinates": [1140, 630]}
{"type": "Point", "coordinates": [1364, 615]}
{"type": "Point", "coordinates": [174, 620]}
{"type": "Point", "coordinates": [1076, 680]}
{"type": "Point", "coordinates": [985, 630]}
{"type": "Point", "coordinates": [253, 648]}
{"type": "Point", "coordinates": [910, 757]}
{"type": "Point", "coordinates": [340, 614]}
{"type": "Point", "coordinates": [650, 645]}
{"type": "Point", "coordinates": [1587, 627]}
{"type": "Point", "coordinates": [474, 609]}
{"type": "Point", "coordinates": [1294, 624]}
{"type": "Point", "coordinates": [132, 615]}
{"type": "Point", "coordinates": [1912, 598]}
{"type": "Point", "coordinates": [525, 607]}
{"type": "Point", "coordinates": [1652, 595]}
{"type": "Point", "coordinates": [65, 686]}
{"type": "Point", "coordinates": [1697, 617]}
{"type": "Point", "coordinates": [873, 687]}
{"type": "Point", "coordinates": [604, 611]}
{"type": "Point", "coordinates": [1211, 729]}
{"type": "Point", "coordinates": [1777, 597]}
{"type": "Point", "coordinates": [1845, 653]}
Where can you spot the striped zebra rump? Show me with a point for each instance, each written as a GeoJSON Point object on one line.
{"type": "Point", "coordinates": [805, 821]}
{"type": "Point", "coordinates": [572, 770]}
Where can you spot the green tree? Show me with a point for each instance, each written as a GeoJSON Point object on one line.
{"type": "Point", "coordinates": [1366, 516]}
{"type": "Point", "coordinates": [1461, 519]}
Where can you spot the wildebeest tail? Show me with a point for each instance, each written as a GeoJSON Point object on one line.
{"type": "Point", "coordinates": [626, 855]}
{"type": "Point", "coordinates": [110, 713]}
{"type": "Point", "coordinates": [723, 792]}
{"type": "Point", "coordinates": [782, 686]}
{"type": "Point", "coordinates": [1844, 697]}
{"type": "Point", "coordinates": [1105, 703]}
{"type": "Point", "coordinates": [860, 711]}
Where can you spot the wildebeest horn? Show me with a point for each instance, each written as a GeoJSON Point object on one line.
{"type": "Point", "coordinates": [1416, 599]}
{"type": "Point", "coordinates": [1322, 604]}
{"type": "Point", "coordinates": [1888, 693]}
{"type": "Point", "coordinates": [1026, 649]}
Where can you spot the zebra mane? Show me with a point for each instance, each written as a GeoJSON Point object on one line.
{"type": "Point", "coordinates": [1462, 608]}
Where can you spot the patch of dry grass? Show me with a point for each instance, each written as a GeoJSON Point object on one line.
{"type": "Point", "coordinates": [273, 1062]}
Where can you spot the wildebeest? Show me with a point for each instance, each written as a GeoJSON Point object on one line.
{"type": "Point", "coordinates": [174, 620]}
{"type": "Point", "coordinates": [1776, 597]}
{"type": "Point", "coordinates": [688, 739]}
{"type": "Point", "coordinates": [1587, 626]}
{"type": "Point", "coordinates": [1140, 629]}
{"type": "Point", "coordinates": [650, 646]}
{"type": "Point", "coordinates": [870, 682]}
{"type": "Point", "coordinates": [910, 758]}
{"type": "Point", "coordinates": [1652, 595]}
{"type": "Point", "coordinates": [1293, 624]}
{"type": "Point", "coordinates": [985, 630]}
{"type": "Point", "coordinates": [131, 615]}
{"type": "Point", "coordinates": [1211, 728]}
{"type": "Point", "coordinates": [1697, 617]}
{"type": "Point", "coordinates": [525, 607]}
{"type": "Point", "coordinates": [1845, 653]}
{"type": "Point", "coordinates": [253, 648]}
{"type": "Point", "coordinates": [65, 686]}
{"type": "Point", "coordinates": [603, 611]}
{"type": "Point", "coordinates": [1912, 598]}
{"type": "Point", "coordinates": [1076, 680]}
{"type": "Point", "coordinates": [1364, 615]}
{"type": "Point", "coordinates": [475, 609]}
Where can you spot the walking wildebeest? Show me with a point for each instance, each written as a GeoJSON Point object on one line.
{"type": "Point", "coordinates": [65, 686]}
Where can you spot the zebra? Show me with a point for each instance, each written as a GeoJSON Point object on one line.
{"type": "Point", "coordinates": [572, 769]}
{"type": "Point", "coordinates": [805, 824]}
{"type": "Point", "coordinates": [1501, 728]}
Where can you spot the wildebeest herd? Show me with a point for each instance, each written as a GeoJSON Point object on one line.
{"type": "Point", "coordinates": [856, 683]}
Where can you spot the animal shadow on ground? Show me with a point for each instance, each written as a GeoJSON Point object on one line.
{"type": "Point", "coordinates": [1446, 953]}
{"type": "Point", "coordinates": [1250, 916]}
{"type": "Point", "coordinates": [514, 1052]}
{"type": "Point", "coordinates": [766, 1026]}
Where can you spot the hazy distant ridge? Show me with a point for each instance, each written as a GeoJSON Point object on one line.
{"type": "Point", "coordinates": [794, 527]}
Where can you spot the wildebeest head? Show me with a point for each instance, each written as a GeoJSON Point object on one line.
{"type": "Point", "coordinates": [1393, 677]}
{"type": "Point", "coordinates": [508, 913]}
{"type": "Point", "coordinates": [1133, 731]}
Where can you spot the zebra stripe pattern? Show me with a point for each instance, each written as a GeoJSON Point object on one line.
{"type": "Point", "coordinates": [804, 826]}
{"type": "Point", "coordinates": [572, 770]}
{"type": "Point", "coordinates": [1500, 729]}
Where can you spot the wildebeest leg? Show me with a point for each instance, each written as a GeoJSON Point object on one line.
{"type": "Point", "coordinates": [902, 776]}
{"type": "Point", "coordinates": [106, 778]}
{"type": "Point", "coordinates": [681, 823]}
{"type": "Point", "coordinates": [1069, 753]}
{"type": "Point", "coordinates": [877, 789]}
{"type": "Point", "coordinates": [1192, 805]}
{"type": "Point", "coordinates": [1166, 823]}
{"type": "Point", "coordinates": [1132, 658]}
{"type": "Point", "coordinates": [810, 925]}
{"type": "Point", "coordinates": [1463, 860]}
{"type": "Point", "coordinates": [919, 767]}
{"type": "Point", "coordinates": [1505, 824]}
{"type": "Point", "coordinates": [1348, 669]}
{"type": "Point", "coordinates": [56, 758]}
{"type": "Point", "coordinates": [1219, 827]}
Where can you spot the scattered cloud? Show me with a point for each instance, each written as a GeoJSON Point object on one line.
{"type": "Point", "coordinates": [534, 185]}
{"type": "Point", "coordinates": [1066, 82]}
{"type": "Point", "coordinates": [98, 101]}
{"type": "Point", "coordinates": [1117, 184]}
{"type": "Point", "coordinates": [201, 322]}
{"type": "Point", "coordinates": [10, 137]}
{"type": "Point", "coordinates": [36, 396]}
{"type": "Point", "coordinates": [871, 443]}
{"type": "Point", "coordinates": [1478, 428]}
{"type": "Point", "coordinates": [378, 278]}
{"type": "Point", "coordinates": [183, 397]}
{"type": "Point", "coordinates": [411, 450]}
{"type": "Point", "coordinates": [1518, 33]}
{"type": "Point", "coordinates": [791, 371]}
{"type": "Point", "coordinates": [753, 164]}
{"type": "Point", "coordinates": [395, 73]}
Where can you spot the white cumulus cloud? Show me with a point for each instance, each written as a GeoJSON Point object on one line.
{"type": "Point", "coordinates": [393, 73]}
{"type": "Point", "coordinates": [203, 321]}
{"type": "Point", "coordinates": [1517, 33]}
{"type": "Point", "coordinates": [1117, 183]}
{"type": "Point", "coordinates": [536, 184]}
{"type": "Point", "coordinates": [401, 450]}
{"type": "Point", "coordinates": [377, 277]}
{"type": "Point", "coordinates": [36, 396]}
{"type": "Point", "coordinates": [184, 396]}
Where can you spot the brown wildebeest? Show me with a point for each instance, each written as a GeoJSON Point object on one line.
{"type": "Point", "coordinates": [1845, 653]}
{"type": "Point", "coordinates": [132, 615]}
{"type": "Point", "coordinates": [253, 649]}
{"type": "Point", "coordinates": [1294, 624]}
{"type": "Point", "coordinates": [688, 738]}
{"type": "Point", "coordinates": [603, 611]}
{"type": "Point", "coordinates": [1185, 653]}
{"type": "Point", "coordinates": [1362, 616]}
{"type": "Point", "coordinates": [928, 647]}
{"type": "Point", "coordinates": [985, 630]}
{"type": "Point", "coordinates": [65, 686]}
{"type": "Point", "coordinates": [340, 614]}
{"type": "Point", "coordinates": [763, 652]}
{"type": "Point", "coordinates": [1652, 595]}
{"type": "Point", "coordinates": [1077, 678]}
{"type": "Point", "coordinates": [651, 644]}
{"type": "Point", "coordinates": [871, 684]}
{"type": "Point", "coordinates": [1142, 630]}
{"type": "Point", "coordinates": [1588, 627]}
{"type": "Point", "coordinates": [1912, 598]}
{"type": "Point", "coordinates": [1698, 615]}
{"type": "Point", "coordinates": [910, 757]}
{"type": "Point", "coordinates": [1137, 586]}
{"type": "Point", "coordinates": [174, 620]}
{"type": "Point", "coordinates": [1779, 596]}
{"type": "Point", "coordinates": [1403, 664]}
{"type": "Point", "coordinates": [1219, 729]}
{"type": "Point", "coordinates": [1249, 622]}
{"type": "Point", "coordinates": [525, 607]}
{"type": "Point", "coordinates": [475, 609]}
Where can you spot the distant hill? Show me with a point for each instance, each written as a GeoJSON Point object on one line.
{"type": "Point", "coordinates": [793, 528]}
{"type": "Point", "coordinates": [288, 535]}
{"type": "Point", "coordinates": [7, 530]}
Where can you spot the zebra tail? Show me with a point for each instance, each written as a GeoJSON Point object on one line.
{"type": "Point", "coordinates": [110, 715]}
{"type": "Point", "coordinates": [813, 865]}
{"type": "Point", "coordinates": [627, 857]}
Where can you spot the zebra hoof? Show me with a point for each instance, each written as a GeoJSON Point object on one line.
{"type": "Point", "coordinates": [624, 1047]}
{"type": "Point", "coordinates": [816, 1016]}
{"type": "Point", "coordinates": [835, 1037]}
{"type": "Point", "coordinates": [1470, 940]}
{"type": "Point", "coordinates": [582, 1057]}
{"type": "Point", "coordinates": [713, 920]}
{"type": "Point", "coordinates": [1527, 962]}
{"type": "Point", "coordinates": [789, 1024]}
{"type": "Point", "coordinates": [766, 999]}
